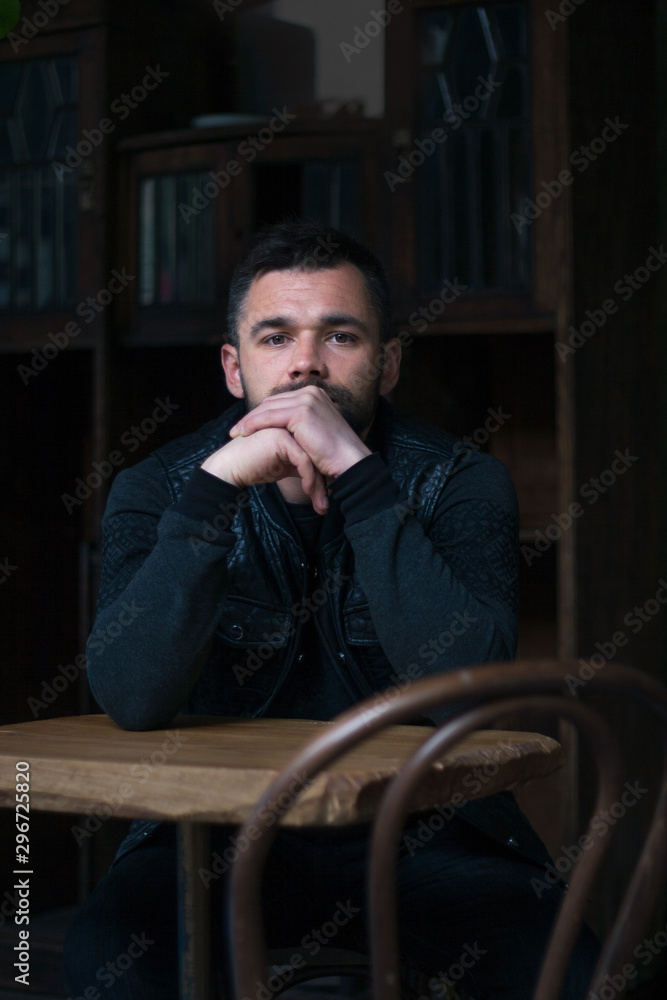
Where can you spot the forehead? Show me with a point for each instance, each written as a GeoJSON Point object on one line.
{"type": "Point", "coordinates": [308, 296]}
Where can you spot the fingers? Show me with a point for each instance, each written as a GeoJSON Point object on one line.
{"type": "Point", "coordinates": [318, 495]}
{"type": "Point", "coordinates": [315, 422]}
{"type": "Point", "coordinates": [312, 481]}
{"type": "Point", "coordinates": [282, 410]}
{"type": "Point", "coordinates": [281, 431]}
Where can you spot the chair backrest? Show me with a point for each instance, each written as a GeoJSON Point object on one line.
{"type": "Point", "coordinates": [488, 692]}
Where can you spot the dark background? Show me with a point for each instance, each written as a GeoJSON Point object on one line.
{"type": "Point", "coordinates": [494, 347]}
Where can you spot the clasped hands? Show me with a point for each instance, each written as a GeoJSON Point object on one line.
{"type": "Point", "coordinates": [298, 434]}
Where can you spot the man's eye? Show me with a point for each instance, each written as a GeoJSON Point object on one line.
{"type": "Point", "coordinates": [276, 339]}
{"type": "Point", "coordinates": [342, 338]}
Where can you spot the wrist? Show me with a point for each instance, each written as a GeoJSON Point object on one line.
{"type": "Point", "coordinates": [217, 465]}
{"type": "Point", "coordinates": [350, 457]}
{"type": "Point", "coordinates": [205, 495]}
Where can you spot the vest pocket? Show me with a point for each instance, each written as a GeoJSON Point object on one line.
{"type": "Point", "coordinates": [358, 628]}
{"type": "Point", "coordinates": [248, 625]}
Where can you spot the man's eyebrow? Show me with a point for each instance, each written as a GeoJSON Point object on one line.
{"type": "Point", "coordinates": [343, 319]}
{"type": "Point", "coordinates": [271, 323]}
{"type": "Point", "coordinates": [283, 322]}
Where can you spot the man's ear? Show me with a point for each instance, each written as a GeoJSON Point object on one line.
{"type": "Point", "coordinates": [230, 362]}
{"type": "Point", "coordinates": [391, 365]}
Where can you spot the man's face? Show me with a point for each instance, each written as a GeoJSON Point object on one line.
{"type": "Point", "coordinates": [312, 328]}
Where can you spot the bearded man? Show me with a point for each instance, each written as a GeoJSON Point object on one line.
{"type": "Point", "coordinates": [314, 525]}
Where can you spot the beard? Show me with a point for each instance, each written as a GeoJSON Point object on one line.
{"type": "Point", "coordinates": [356, 410]}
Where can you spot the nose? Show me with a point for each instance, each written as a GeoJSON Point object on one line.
{"type": "Point", "coordinates": [308, 360]}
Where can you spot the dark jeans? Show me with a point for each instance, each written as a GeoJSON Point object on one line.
{"type": "Point", "coordinates": [467, 912]}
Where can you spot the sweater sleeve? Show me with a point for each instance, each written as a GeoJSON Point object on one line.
{"type": "Point", "coordinates": [440, 567]}
{"type": "Point", "coordinates": [164, 580]}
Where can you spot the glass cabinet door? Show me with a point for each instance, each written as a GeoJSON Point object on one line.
{"type": "Point", "coordinates": [38, 194]}
{"type": "Point", "coordinates": [474, 137]}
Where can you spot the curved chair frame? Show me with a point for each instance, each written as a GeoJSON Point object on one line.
{"type": "Point", "coordinates": [518, 685]}
{"type": "Point", "coordinates": [394, 810]}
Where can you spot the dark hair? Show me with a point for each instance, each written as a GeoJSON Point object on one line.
{"type": "Point", "coordinates": [307, 246]}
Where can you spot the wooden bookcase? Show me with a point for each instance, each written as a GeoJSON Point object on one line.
{"type": "Point", "coordinates": [83, 59]}
{"type": "Point", "coordinates": [492, 348]}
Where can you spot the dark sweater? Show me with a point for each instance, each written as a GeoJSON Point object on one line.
{"type": "Point", "coordinates": [417, 555]}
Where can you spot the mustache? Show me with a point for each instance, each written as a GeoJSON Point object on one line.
{"type": "Point", "coordinates": [336, 393]}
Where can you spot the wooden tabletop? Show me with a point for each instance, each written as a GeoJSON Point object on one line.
{"type": "Point", "coordinates": [212, 769]}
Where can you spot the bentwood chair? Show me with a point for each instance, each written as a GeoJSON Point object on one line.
{"type": "Point", "coordinates": [488, 693]}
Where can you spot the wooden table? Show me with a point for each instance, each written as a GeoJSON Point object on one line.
{"type": "Point", "coordinates": [205, 769]}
